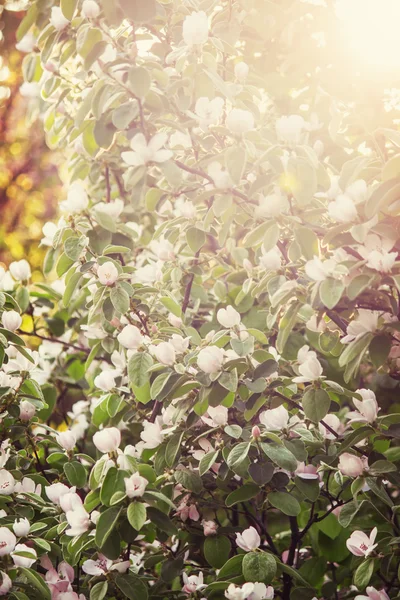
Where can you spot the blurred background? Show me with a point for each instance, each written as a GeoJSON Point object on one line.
{"type": "Point", "coordinates": [29, 182]}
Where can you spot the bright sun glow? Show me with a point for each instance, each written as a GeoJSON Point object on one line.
{"type": "Point", "coordinates": [373, 30]}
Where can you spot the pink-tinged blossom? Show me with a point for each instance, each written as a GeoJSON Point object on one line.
{"type": "Point", "coordinates": [7, 483]}
{"type": "Point", "coordinates": [6, 583]}
{"type": "Point", "coordinates": [360, 544]}
{"type": "Point", "coordinates": [60, 580]}
{"type": "Point", "coordinates": [248, 540]}
{"type": "Point", "coordinates": [352, 465]}
{"type": "Point", "coordinates": [103, 565]}
{"type": "Point", "coordinates": [7, 541]}
{"type": "Point", "coordinates": [373, 594]}
{"type": "Point", "coordinates": [367, 408]}
{"type": "Point", "coordinates": [209, 527]}
{"type": "Point", "coordinates": [193, 583]}
{"type": "Point", "coordinates": [187, 510]}
{"type": "Point", "coordinates": [135, 485]}
{"type": "Point", "coordinates": [306, 471]}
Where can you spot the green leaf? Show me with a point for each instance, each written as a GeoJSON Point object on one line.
{"type": "Point", "coordinates": [308, 487]}
{"type": "Point", "coordinates": [71, 286]}
{"type": "Point", "coordinates": [142, 394]}
{"type": "Point", "coordinates": [259, 567]}
{"type": "Point", "coordinates": [139, 81]}
{"type": "Point", "coordinates": [114, 481]}
{"type": "Point", "coordinates": [159, 384]}
{"type": "Point", "coordinates": [195, 238]}
{"type": "Point", "coordinates": [285, 502]}
{"type": "Point", "coordinates": [106, 524]}
{"type": "Point", "coordinates": [232, 568]}
{"type": "Point", "coordinates": [68, 8]}
{"type": "Point", "coordinates": [76, 473]}
{"type": "Point", "coordinates": [132, 586]}
{"type": "Point", "coordinates": [242, 494]}
{"type": "Point", "coordinates": [171, 305]}
{"type": "Point", "coordinates": [348, 512]}
{"type": "Point", "coordinates": [379, 349]}
{"type": "Point", "coordinates": [161, 521]}
{"type": "Point", "coordinates": [74, 246]}
{"type": "Point", "coordinates": [331, 291]}
{"type": "Point", "coordinates": [363, 573]}
{"type": "Point", "coordinates": [207, 461]}
{"type": "Point", "coordinates": [120, 299]}
{"type": "Point", "coordinates": [235, 160]}
{"type": "Point", "coordinates": [308, 242]}
{"type": "Point", "coordinates": [99, 591]}
{"type": "Point", "coordinates": [173, 449]}
{"type": "Point", "coordinates": [138, 11]}
{"type": "Point", "coordinates": [138, 368]}
{"type": "Point", "coordinates": [281, 456]}
{"type": "Point", "coordinates": [27, 22]}
{"type": "Point", "coordinates": [316, 403]}
{"type": "Point", "coordinates": [189, 480]}
{"type": "Point", "coordinates": [238, 454]}
{"type": "Point", "coordinates": [36, 581]}
{"type": "Point", "coordinates": [216, 550]}
{"type": "Point", "coordinates": [137, 515]}
{"type": "Point", "coordinates": [286, 325]}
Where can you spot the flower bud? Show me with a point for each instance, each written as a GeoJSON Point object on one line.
{"type": "Point", "coordinates": [241, 71]}
{"type": "Point", "coordinates": [90, 9]}
{"type": "Point", "coordinates": [11, 320]}
{"type": "Point", "coordinates": [67, 440]}
{"type": "Point", "coordinates": [21, 527]}
{"type": "Point", "coordinates": [165, 353]}
{"type": "Point", "coordinates": [351, 465]}
{"type": "Point", "coordinates": [210, 359]}
{"type": "Point", "coordinates": [255, 432]}
{"type": "Point", "coordinates": [209, 527]}
{"type": "Point", "coordinates": [107, 440]}
{"type": "Point", "coordinates": [20, 270]}
{"type": "Point", "coordinates": [130, 337]}
{"type": "Point", "coordinates": [26, 410]}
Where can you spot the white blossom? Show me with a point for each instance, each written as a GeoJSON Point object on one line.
{"type": "Point", "coordinates": [7, 483]}
{"type": "Point", "coordinates": [290, 129]}
{"type": "Point", "coordinates": [105, 381]}
{"type": "Point", "coordinates": [135, 485]}
{"type": "Point", "coordinates": [11, 320]}
{"type": "Point", "coordinates": [248, 540]}
{"type": "Point", "coordinates": [21, 527]}
{"type": "Point", "coordinates": [78, 521]}
{"type": "Point", "coordinates": [241, 71]}
{"type": "Point", "coordinates": [27, 43]}
{"type": "Point", "coordinates": [195, 29]}
{"type": "Point", "coordinates": [130, 337]}
{"type": "Point", "coordinates": [7, 541]}
{"type": "Point", "coordinates": [240, 121]}
{"type": "Point", "coordinates": [20, 270]}
{"type": "Point", "coordinates": [77, 199]}
{"type": "Point", "coordinates": [107, 440]}
{"type": "Point", "coordinates": [144, 152]}
{"type": "Point", "coordinates": [220, 176]}
{"type": "Point", "coordinates": [275, 419]}
{"type": "Point", "coordinates": [107, 273]}
{"type": "Point", "coordinates": [90, 9]}
{"type": "Point", "coordinates": [24, 561]}
{"type": "Point", "coordinates": [57, 19]}
{"type": "Point", "coordinates": [165, 353]}
{"type": "Point", "coordinates": [209, 112]}
{"type": "Point", "coordinates": [210, 359]}
{"type": "Point", "coordinates": [228, 317]}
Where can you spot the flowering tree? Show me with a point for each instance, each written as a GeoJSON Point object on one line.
{"type": "Point", "coordinates": [210, 409]}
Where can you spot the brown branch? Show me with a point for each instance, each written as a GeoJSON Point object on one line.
{"type": "Point", "coordinates": [186, 298]}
